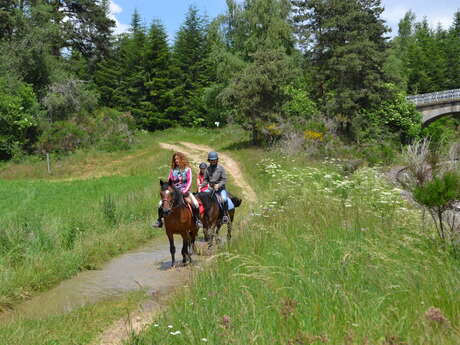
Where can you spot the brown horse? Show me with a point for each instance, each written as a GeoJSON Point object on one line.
{"type": "Point", "coordinates": [212, 218]}
{"type": "Point", "coordinates": [178, 220]}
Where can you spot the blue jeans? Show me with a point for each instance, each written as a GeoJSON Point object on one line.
{"type": "Point", "coordinates": [223, 194]}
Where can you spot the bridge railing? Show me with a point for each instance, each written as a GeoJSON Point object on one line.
{"type": "Point", "coordinates": [435, 97]}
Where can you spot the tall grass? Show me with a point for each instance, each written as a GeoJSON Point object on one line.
{"type": "Point", "coordinates": [325, 259]}
{"type": "Point", "coordinates": [50, 230]}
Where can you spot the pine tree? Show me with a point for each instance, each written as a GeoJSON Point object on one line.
{"type": "Point", "coordinates": [453, 53]}
{"type": "Point", "coordinates": [346, 44]}
{"type": "Point", "coordinates": [157, 59]}
{"type": "Point", "coordinates": [260, 40]}
{"type": "Point", "coordinates": [190, 53]}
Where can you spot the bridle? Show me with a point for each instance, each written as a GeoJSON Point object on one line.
{"type": "Point", "coordinates": [171, 201]}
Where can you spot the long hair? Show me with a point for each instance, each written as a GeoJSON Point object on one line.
{"type": "Point", "coordinates": [183, 161]}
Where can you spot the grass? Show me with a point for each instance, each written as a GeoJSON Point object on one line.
{"type": "Point", "coordinates": [78, 327]}
{"type": "Point", "coordinates": [94, 206]}
{"type": "Point", "coordinates": [326, 258]}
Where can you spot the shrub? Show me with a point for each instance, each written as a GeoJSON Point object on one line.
{"type": "Point", "coordinates": [438, 196]}
{"type": "Point", "coordinates": [68, 98]}
{"type": "Point", "coordinates": [19, 111]}
{"type": "Point", "coordinates": [109, 130]}
{"type": "Point", "coordinates": [61, 137]}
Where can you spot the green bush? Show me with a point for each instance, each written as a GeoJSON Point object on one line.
{"type": "Point", "coordinates": [438, 195]}
{"type": "Point", "coordinates": [69, 98]}
{"type": "Point", "coordinates": [62, 136]}
{"type": "Point", "coordinates": [19, 110]}
{"type": "Point", "coordinates": [108, 130]}
{"type": "Point", "coordinates": [397, 116]}
{"type": "Point", "coordinates": [440, 192]}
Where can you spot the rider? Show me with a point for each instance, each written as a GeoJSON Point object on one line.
{"type": "Point", "coordinates": [216, 178]}
{"type": "Point", "coordinates": [181, 176]}
{"type": "Point", "coordinates": [200, 185]}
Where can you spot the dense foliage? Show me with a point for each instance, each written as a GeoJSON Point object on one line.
{"type": "Point", "coordinates": [279, 68]}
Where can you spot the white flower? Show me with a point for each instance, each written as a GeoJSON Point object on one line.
{"type": "Point", "coordinates": [155, 325]}
{"type": "Point", "coordinates": [170, 326]}
{"type": "Point", "coordinates": [204, 339]}
{"type": "Point", "coordinates": [175, 333]}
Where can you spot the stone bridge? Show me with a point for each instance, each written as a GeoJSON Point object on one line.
{"type": "Point", "coordinates": [434, 105]}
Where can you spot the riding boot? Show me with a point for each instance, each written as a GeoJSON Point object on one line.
{"type": "Point", "coordinates": [225, 218]}
{"type": "Point", "coordinates": [159, 222]}
{"type": "Point", "coordinates": [196, 216]}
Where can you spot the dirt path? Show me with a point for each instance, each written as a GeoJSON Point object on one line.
{"type": "Point", "coordinates": [140, 319]}
{"type": "Point", "coordinates": [198, 153]}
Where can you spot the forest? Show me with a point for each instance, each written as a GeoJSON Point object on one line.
{"type": "Point", "coordinates": [326, 73]}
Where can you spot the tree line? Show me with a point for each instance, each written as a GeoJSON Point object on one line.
{"type": "Point", "coordinates": [272, 66]}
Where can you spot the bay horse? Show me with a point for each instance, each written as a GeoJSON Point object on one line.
{"type": "Point", "coordinates": [178, 220]}
{"type": "Point", "coordinates": [212, 218]}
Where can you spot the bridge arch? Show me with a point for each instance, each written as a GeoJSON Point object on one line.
{"type": "Point", "coordinates": [435, 105]}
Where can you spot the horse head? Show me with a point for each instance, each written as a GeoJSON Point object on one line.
{"type": "Point", "coordinates": [167, 196]}
{"type": "Point", "coordinates": [170, 197]}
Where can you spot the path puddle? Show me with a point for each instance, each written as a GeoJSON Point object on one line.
{"type": "Point", "coordinates": [145, 268]}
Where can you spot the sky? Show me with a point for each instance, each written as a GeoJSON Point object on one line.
{"type": "Point", "coordinates": [172, 12]}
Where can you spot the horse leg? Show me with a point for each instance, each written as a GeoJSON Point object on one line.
{"type": "Point", "coordinates": [217, 233]}
{"type": "Point", "coordinates": [172, 249]}
{"type": "Point", "coordinates": [192, 242]}
{"type": "Point", "coordinates": [211, 237]}
{"type": "Point", "coordinates": [229, 231]}
{"type": "Point", "coordinates": [185, 246]}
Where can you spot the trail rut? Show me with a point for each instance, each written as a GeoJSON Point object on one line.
{"type": "Point", "coordinates": [141, 318]}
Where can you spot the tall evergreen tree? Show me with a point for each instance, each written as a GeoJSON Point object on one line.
{"type": "Point", "coordinates": [260, 40]}
{"type": "Point", "coordinates": [157, 80]}
{"type": "Point", "coordinates": [347, 47]}
{"type": "Point", "coordinates": [190, 54]}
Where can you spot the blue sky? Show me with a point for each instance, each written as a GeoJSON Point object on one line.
{"type": "Point", "coordinates": [172, 12]}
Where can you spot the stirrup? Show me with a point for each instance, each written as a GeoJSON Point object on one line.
{"type": "Point", "coordinates": [158, 224]}
{"type": "Point", "coordinates": [225, 219]}
{"type": "Point", "coordinates": [198, 223]}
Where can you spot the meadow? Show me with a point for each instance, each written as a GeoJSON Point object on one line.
{"type": "Point", "coordinates": [326, 258]}
{"type": "Point", "coordinates": [93, 206]}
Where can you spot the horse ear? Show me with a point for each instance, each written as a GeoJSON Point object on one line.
{"type": "Point", "coordinates": [170, 182]}
{"type": "Point", "coordinates": [161, 182]}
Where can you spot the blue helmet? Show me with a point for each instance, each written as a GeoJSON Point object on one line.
{"type": "Point", "coordinates": [203, 166]}
{"type": "Point", "coordinates": [212, 156]}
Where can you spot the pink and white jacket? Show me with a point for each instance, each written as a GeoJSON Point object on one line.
{"type": "Point", "coordinates": [182, 179]}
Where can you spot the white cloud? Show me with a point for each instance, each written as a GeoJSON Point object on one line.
{"type": "Point", "coordinates": [115, 9]}
{"type": "Point", "coordinates": [445, 21]}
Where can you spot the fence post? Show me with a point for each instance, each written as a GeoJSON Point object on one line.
{"type": "Point", "coordinates": [48, 162]}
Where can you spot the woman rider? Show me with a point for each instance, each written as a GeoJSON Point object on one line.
{"type": "Point", "coordinates": [181, 175]}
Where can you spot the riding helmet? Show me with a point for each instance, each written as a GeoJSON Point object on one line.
{"type": "Point", "coordinates": [203, 165]}
{"type": "Point", "coordinates": [213, 156]}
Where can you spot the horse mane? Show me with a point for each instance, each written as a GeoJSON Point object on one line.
{"type": "Point", "coordinates": [178, 196]}
{"type": "Point", "coordinates": [206, 200]}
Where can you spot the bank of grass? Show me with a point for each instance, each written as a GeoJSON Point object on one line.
{"type": "Point", "coordinates": [326, 258]}
{"type": "Point", "coordinates": [80, 326]}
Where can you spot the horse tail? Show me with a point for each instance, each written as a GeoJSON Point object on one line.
{"type": "Point", "coordinates": [236, 201]}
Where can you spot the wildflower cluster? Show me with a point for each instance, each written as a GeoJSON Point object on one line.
{"type": "Point", "coordinates": [313, 135]}
{"type": "Point", "coordinates": [366, 187]}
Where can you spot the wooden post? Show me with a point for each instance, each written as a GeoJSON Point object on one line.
{"type": "Point", "coordinates": [48, 162]}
